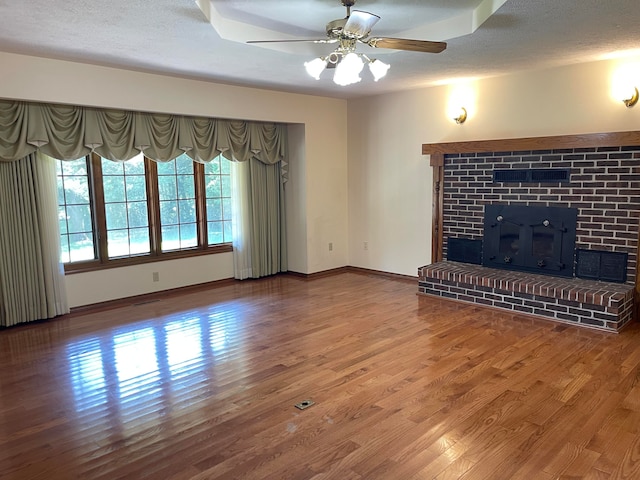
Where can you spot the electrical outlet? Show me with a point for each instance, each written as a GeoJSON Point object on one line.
{"type": "Point", "coordinates": [365, 245]}
{"type": "Point", "coordinates": [330, 246]}
{"type": "Point", "coordinates": [156, 277]}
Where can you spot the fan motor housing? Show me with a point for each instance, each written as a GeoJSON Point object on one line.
{"type": "Point", "coordinates": [335, 27]}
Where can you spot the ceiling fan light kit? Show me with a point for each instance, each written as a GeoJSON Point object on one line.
{"type": "Point", "coordinates": [347, 67]}
{"type": "Point", "coordinates": [347, 32]}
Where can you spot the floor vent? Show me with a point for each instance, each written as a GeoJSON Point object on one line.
{"type": "Point", "coordinates": [304, 404]}
{"type": "Point", "coordinates": [533, 175]}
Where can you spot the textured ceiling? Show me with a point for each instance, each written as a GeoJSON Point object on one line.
{"type": "Point", "coordinates": [174, 37]}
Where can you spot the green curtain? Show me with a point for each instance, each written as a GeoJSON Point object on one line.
{"type": "Point", "coordinates": [260, 241]}
{"type": "Point", "coordinates": [31, 277]}
{"type": "Point", "coordinates": [267, 219]}
{"type": "Point", "coordinates": [69, 132]}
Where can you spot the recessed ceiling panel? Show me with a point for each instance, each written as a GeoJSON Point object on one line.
{"type": "Point", "coordinates": [438, 20]}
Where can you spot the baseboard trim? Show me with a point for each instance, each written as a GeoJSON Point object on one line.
{"type": "Point", "coordinates": [349, 269]}
{"type": "Point", "coordinates": [380, 273]}
{"type": "Point", "coordinates": [316, 275]}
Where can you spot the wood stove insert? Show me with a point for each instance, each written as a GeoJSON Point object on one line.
{"type": "Point", "coordinates": [530, 238]}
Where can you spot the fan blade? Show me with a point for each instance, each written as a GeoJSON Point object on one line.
{"type": "Point", "coordinates": [319, 40]}
{"type": "Point", "coordinates": [406, 44]}
{"type": "Point", "coordinates": [360, 24]}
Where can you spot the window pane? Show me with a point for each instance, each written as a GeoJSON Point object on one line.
{"type": "Point", "coordinates": [80, 247]}
{"type": "Point", "coordinates": [60, 185]}
{"type": "Point", "coordinates": [184, 165]}
{"type": "Point", "coordinates": [178, 204]}
{"type": "Point", "coordinates": [136, 188]}
{"type": "Point", "coordinates": [116, 215]}
{"type": "Point", "coordinates": [166, 168]}
{"type": "Point", "coordinates": [212, 167]}
{"type": "Point", "coordinates": [226, 208]}
{"type": "Point", "coordinates": [167, 187]}
{"type": "Point", "coordinates": [76, 189]}
{"type": "Point", "coordinates": [138, 214]}
{"type": "Point", "coordinates": [228, 233]}
{"type": "Point", "coordinates": [215, 232]}
{"type": "Point", "coordinates": [114, 188]}
{"type": "Point", "coordinates": [213, 185]}
{"type": "Point", "coordinates": [64, 249]}
{"type": "Point", "coordinates": [169, 212]}
{"type": "Point", "coordinates": [170, 238]}
{"type": "Point", "coordinates": [112, 168]}
{"type": "Point", "coordinates": [218, 201]}
{"type": "Point", "coordinates": [118, 243]}
{"type": "Point", "coordinates": [75, 167]}
{"type": "Point", "coordinates": [225, 165]}
{"type": "Point", "coordinates": [75, 214]}
{"type": "Point", "coordinates": [62, 218]}
{"type": "Point", "coordinates": [135, 166]}
{"type": "Point", "coordinates": [187, 210]}
{"type": "Point", "coordinates": [186, 187]}
{"type": "Point", "coordinates": [226, 185]}
{"type": "Point", "coordinates": [126, 209]}
{"type": "Point", "coordinates": [79, 218]}
{"type": "Point", "coordinates": [139, 240]}
{"type": "Point", "coordinates": [188, 235]}
{"type": "Point", "coordinates": [214, 209]}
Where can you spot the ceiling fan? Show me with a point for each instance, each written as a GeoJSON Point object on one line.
{"type": "Point", "coordinates": [347, 33]}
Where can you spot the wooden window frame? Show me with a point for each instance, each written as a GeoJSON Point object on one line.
{"type": "Point", "coordinates": [153, 210]}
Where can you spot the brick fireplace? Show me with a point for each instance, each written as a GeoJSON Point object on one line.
{"type": "Point", "coordinates": [602, 184]}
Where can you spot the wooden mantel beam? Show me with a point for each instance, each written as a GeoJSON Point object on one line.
{"type": "Point", "coordinates": [589, 140]}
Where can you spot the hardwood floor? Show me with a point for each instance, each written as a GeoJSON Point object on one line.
{"type": "Point", "coordinates": [203, 386]}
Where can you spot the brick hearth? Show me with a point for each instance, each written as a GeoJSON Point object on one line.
{"type": "Point", "coordinates": [602, 305]}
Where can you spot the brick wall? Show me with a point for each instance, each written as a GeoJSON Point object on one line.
{"type": "Point", "coordinates": [604, 187]}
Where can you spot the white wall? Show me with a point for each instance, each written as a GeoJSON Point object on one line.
{"type": "Point", "coordinates": [390, 181]}
{"type": "Point", "coordinates": [318, 160]}
{"type": "Point", "coordinates": [102, 285]}
{"type": "Point", "coordinates": [296, 201]}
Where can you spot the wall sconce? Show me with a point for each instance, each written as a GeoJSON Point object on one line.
{"type": "Point", "coordinates": [462, 116]}
{"type": "Point", "coordinates": [631, 101]}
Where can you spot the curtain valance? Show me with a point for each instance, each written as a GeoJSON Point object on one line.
{"type": "Point", "coordinates": [70, 132]}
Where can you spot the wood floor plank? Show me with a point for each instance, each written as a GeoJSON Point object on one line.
{"type": "Point", "coordinates": [202, 385]}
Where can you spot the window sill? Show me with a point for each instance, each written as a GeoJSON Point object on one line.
{"type": "Point", "coordinates": [95, 265]}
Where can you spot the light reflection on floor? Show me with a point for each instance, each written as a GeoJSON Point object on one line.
{"type": "Point", "coordinates": [151, 368]}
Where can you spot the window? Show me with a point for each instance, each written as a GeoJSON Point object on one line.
{"type": "Point", "coordinates": [125, 205]}
{"type": "Point", "coordinates": [74, 211]}
{"type": "Point", "coordinates": [218, 193]}
{"type": "Point", "coordinates": [178, 216]}
{"type": "Point", "coordinates": [121, 213]}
